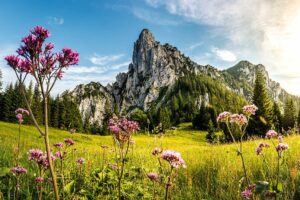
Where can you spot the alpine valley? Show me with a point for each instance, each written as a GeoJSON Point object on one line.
{"type": "Point", "coordinates": [163, 81]}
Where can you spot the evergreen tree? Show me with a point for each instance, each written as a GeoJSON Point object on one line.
{"type": "Point", "coordinates": [164, 118]}
{"type": "Point", "coordinates": [277, 117]}
{"type": "Point", "coordinates": [289, 117]}
{"type": "Point", "coordinates": [36, 105]}
{"type": "Point", "coordinates": [54, 112]}
{"type": "Point", "coordinates": [0, 81]}
{"type": "Point", "coordinates": [262, 121]}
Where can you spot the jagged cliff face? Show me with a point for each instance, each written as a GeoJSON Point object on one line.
{"type": "Point", "coordinates": [94, 102]}
{"type": "Point", "coordinates": [244, 72]}
{"type": "Point", "coordinates": [156, 68]}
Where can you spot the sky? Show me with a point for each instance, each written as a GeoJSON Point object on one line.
{"type": "Point", "coordinates": [215, 32]}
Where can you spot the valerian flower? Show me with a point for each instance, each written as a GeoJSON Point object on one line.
{"type": "Point", "coordinates": [80, 161]}
{"type": "Point", "coordinates": [238, 119]}
{"type": "Point", "coordinates": [156, 151]}
{"type": "Point", "coordinates": [247, 193]}
{"type": "Point", "coordinates": [282, 147]}
{"type": "Point", "coordinates": [224, 116]}
{"type": "Point", "coordinates": [19, 114]}
{"type": "Point", "coordinates": [69, 141]}
{"type": "Point", "coordinates": [250, 109]}
{"type": "Point", "coordinates": [39, 180]}
{"type": "Point", "coordinates": [18, 170]}
{"type": "Point", "coordinates": [153, 176]}
{"type": "Point", "coordinates": [260, 148]}
{"type": "Point", "coordinates": [59, 145]}
{"type": "Point", "coordinates": [122, 128]}
{"type": "Point", "coordinates": [271, 134]}
{"type": "Point", "coordinates": [174, 158]}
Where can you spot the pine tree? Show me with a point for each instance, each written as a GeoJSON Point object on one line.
{"type": "Point", "coordinates": [289, 117]}
{"type": "Point", "coordinates": [277, 117]}
{"type": "Point", "coordinates": [262, 121]}
{"type": "Point", "coordinates": [36, 105]}
{"type": "Point", "coordinates": [54, 112]}
{"type": "Point", "coordinates": [164, 118]}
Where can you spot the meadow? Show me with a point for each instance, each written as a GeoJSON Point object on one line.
{"type": "Point", "coordinates": [213, 171]}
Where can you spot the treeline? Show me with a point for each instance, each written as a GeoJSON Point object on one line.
{"type": "Point", "coordinates": [63, 111]}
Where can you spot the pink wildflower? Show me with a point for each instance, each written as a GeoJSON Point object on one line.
{"type": "Point", "coordinates": [153, 176]}
{"type": "Point", "coordinates": [39, 180]}
{"type": "Point", "coordinates": [270, 134]}
{"type": "Point", "coordinates": [247, 193]}
{"type": "Point", "coordinates": [156, 151]}
{"type": "Point", "coordinates": [69, 141]}
{"type": "Point", "coordinates": [18, 170]}
{"type": "Point", "coordinates": [174, 158]}
{"type": "Point", "coordinates": [238, 119]}
{"type": "Point", "coordinates": [260, 148]}
{"type": "Point", "coordinates": [282, 147]}
{"type": "Point", "coordinates": [59, 145]}
{"type": "Point", "coordinates": [224, 116]}
{"type": "Point", "coordinates": [80, 161]}
{"type": "Point", "coordinates": [250, 109]}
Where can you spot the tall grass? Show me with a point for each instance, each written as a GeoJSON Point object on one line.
{"type": "Point", "coordinates": [213, 171]}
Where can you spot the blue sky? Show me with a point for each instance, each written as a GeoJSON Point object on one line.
{"type": "Point", "coordinates": [216, 32]}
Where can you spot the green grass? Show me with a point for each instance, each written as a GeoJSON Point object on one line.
{"type": "Point", "coordinates": [213, 171]}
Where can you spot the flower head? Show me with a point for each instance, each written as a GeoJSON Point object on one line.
{"type": "Point", "coordinates": [19, 114]}
{"type": "Point", "coordinates": [59, 145]}
{"type": "Point", "coordinates": [39, 180]}
{"type": "Point", "coordinates": [122, 128]}
{"type": "Point", "coordinates": [224, 116]}
{"type": "Point", "coordinates": [238, 119]}
{"type": "Point", "coordinates": [153, 176]}
{"type": "Point", "coordinates": [247, 193]}
{"type": "Point", "coordinates": [156, 151]}
{"type": "Point", "coordinates": [69, 141]}
{"type": "Point", "coordinates": [80, 161]}
{"type": "Point", "coordinates": [250, 109]}
{"type": "Point", "coordinates": [282, 147]}
{"type": "Point", "coordinates": [174, 158]}
{"type": "Point", "coordinates": [260, 148]}
{"type": "Point", "coordinates": [270, 134]}
{"type": "Point", "coordinates": [18, 170]}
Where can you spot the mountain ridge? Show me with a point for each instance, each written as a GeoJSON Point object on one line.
{"type": "Point", "coordinates": [154, 71]}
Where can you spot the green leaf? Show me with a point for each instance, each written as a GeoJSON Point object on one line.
{"type": "Point", "coordinates": [68, 187]}
{"type": "Point", "coordinates": [4, 171]}
{"type": "Point", "coordinates": [261, 186]}
{"type": "Point", "coordinates": [279, 187]}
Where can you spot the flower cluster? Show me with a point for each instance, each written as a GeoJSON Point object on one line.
{"type": "Point", "coordinates": [39, 180]}
{"type": "Point", "coordinates": [59, 145]}
{"type": "Point", "coordinates": [156, 151]}
{"type": "Point", "coordinates": [19, 114]}
{"type": "Point", "coordinates": [271, 134]}
{"type": "Point", "coordinates": [39, 157]}
{"type": "Point", "coordinates": [174, 158]}
{"type": "Point", "coordinates": [18, 170]}
{"type": "Point", "coordinates": [122, 128]}
{"type": "Point", "coordinates": [69, 142]}
{"type": "Point", "coordinates": [238, 119]}
{"type": "Point", "coordinates": [247, 193]}
{"type": "Point", "coordinates": [224, 116]}
{"type": "Point", "coordinates": [36, 57]}
{"type": "Point", "coordinates": [250, 109]}
{"type": "Point", "coordinates": [80, 161]}
{"type": "Point", "coordinates": [153, 176]}
{"type": "Point", "coordinates": [260, 148]}
{"type": "Point", "coordinates": [281, 147]}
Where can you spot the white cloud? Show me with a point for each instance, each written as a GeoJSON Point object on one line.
{"type": "Point", "coordinates": [105, 59]}
{"type": "Point", "coordinates": [224, 54]}
{"type": "Point", "coordinates": [266, 31]}
{"type": "Point", "coordinates": [56, 20]}
{"type": "Point", "coordinates": [153, 17]}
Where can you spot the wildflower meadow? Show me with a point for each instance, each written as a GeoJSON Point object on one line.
{"type": "Point", "coordinates": [38, 162]}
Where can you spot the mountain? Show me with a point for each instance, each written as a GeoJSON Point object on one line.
{"type": "Point", "coordinates": [161, 77]}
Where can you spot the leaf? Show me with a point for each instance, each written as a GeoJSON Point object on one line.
{"type": "Point", "coordinates": [279, 187]}
{"type": "Point", "coordinates": [68, 187]}
{"type": "Point", "coordinates": [261, 186]}
{"type": "Point", "coordinates": [4, 171]}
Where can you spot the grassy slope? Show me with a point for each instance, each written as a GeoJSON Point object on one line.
{"type": "Point", "coordinates": [213, 170]}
